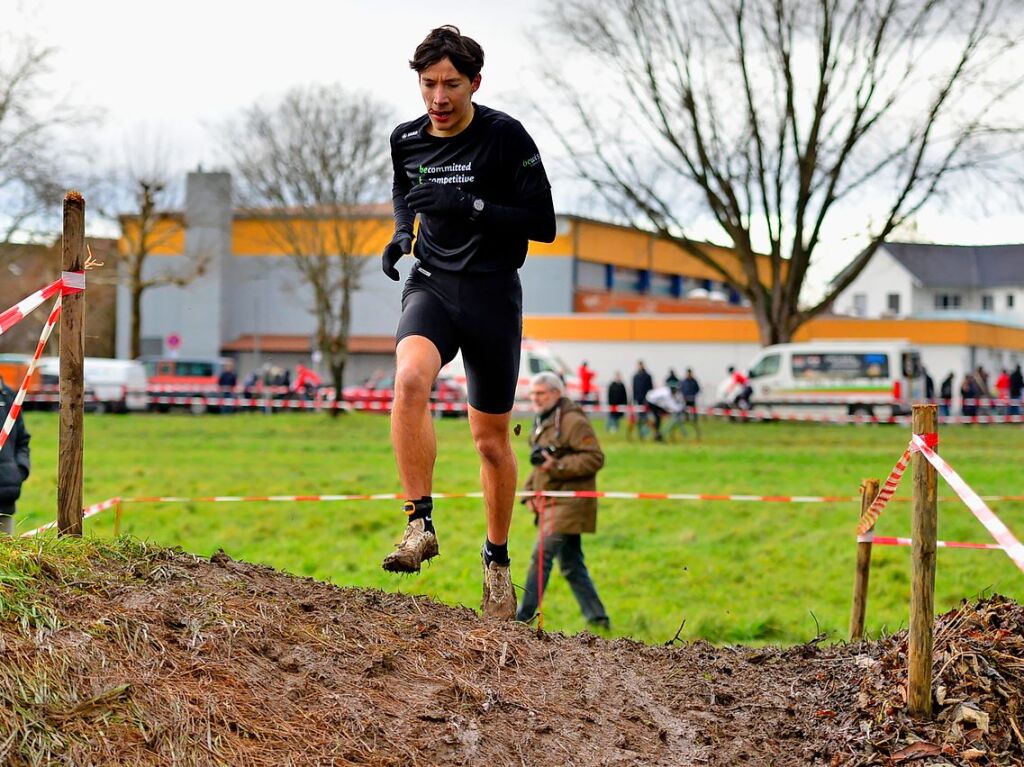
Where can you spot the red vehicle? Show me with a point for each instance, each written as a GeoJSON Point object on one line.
{"type": "Point", "coordinates": [377, 393]}
{"type": "Point", "coordinates": [171, 374]}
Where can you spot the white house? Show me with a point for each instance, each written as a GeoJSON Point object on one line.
{"type": "Point", "coordinates": [918, 280]}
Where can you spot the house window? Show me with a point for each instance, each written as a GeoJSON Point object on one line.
{"type": "Point", "coordinates": [1009, 300]}
{"type": "Point", "coordinates": [860, 304]}
{"type": "Point", "coordinates": [944, 301]}
{"type": "Point", "coordinates": [988, 302]}
{"type": "Point", "coordinates": [892, 302]}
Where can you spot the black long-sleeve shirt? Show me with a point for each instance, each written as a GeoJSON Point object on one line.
{"type": "Point", "coordinates": [494, 159]}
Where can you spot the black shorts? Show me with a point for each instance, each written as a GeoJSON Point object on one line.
{"type": "Point", "coordinates": [481, 314]}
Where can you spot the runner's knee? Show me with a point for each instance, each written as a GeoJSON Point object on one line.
{"type": "Point", "coordinates": [493, 447]}
{"type": "Point", "coordinates": [412, 383]}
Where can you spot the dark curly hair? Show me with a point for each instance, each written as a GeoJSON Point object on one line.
{"type": "Point", "coordinates": [464, 52]}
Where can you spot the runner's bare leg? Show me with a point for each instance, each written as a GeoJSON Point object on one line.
{"type": "Point", "coordinates": [412, 427]}
{"type": "Point", "coordinates": [498, 470]}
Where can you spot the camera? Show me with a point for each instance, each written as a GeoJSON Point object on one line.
{"type": "Point", "coordinates": [538, 453]}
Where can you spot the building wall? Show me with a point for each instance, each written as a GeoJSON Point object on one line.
{"type": "Point", "coordinates": [883, 275]}
{"type": "Point", "coordinates": [710, 344]}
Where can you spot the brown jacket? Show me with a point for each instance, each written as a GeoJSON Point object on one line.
{"type": "Point", "coordinates": [577, 461]}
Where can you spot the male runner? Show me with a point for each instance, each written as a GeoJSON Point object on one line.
{"type": "Point", "coordinates": [475, 178]}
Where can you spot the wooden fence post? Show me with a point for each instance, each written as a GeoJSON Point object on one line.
{"type": "Point", "coordinates": [868, 491]}
{"type": "Point", "coordinates": [72, 355]}
{"type": "Point", "coordinates": [922, 586]}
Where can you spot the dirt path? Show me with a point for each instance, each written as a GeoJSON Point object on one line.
{"type": "Point", "coordinates": [162, 658]}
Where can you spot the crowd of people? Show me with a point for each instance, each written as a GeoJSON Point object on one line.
{"type": "Point", "coordinates": [977, 395]}
{"type": "Point", "coordinates": [673, 403]}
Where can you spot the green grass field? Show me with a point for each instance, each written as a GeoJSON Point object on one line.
{"type": "Point", "coordinates": [736, 572]}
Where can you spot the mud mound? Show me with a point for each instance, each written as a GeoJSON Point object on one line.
{"type": "Point", "coordinates": [125, 654]}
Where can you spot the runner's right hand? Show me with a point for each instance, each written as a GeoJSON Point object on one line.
{"type": "Point", "coordinates": [400, 244]}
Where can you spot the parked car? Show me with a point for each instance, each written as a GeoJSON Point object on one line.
{"type": "Point", "coordinates": [380, 392]}
{"type": "Point", "coordinates": [115, 386]}
{"type": "Point", "coordinates": [535, 357]}
{"type": "Point", "coordinates": [13, 368]}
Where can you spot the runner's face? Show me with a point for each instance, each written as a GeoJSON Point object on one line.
{"type": "Point", "coordinates": [448, 97]}
{"type": "Point", "coordinates": [542, 398]}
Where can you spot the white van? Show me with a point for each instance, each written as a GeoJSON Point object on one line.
{"type": "Point", "coordinates": [535, 358]}
{"type": "Point", "coordinates": [116, 386]}
{"type": "Point", "coordinates": [835, 377]}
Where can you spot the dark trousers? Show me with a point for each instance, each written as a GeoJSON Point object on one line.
{"type": "Point", "coordinates": [569, 550]}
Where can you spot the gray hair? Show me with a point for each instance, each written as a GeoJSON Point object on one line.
{"type": "Point", "coordinates": [548, 380]}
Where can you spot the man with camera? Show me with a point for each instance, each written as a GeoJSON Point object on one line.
{"type": "Point", "coordinates": [565, 455]}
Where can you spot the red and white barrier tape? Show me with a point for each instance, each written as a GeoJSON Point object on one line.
{"type": "Point", "coordinates": [1013, 548]}
{"type": "Point", "coordinates": [868, 519]}
{"type": "Point", "coordinates": [868, 537]}
{"type": "Point", "coordinates": [88, 511]}
{"type": "Point", "coordinates": [882, 540]}
{"type": "Point", "coordinates": [19, 399]}
{"type": "Point", "coordinates": [69, 282]}
{"type": "Point", "coordinates": [550, 494]}
{"type": "Point", "coordinates": [524, 494]}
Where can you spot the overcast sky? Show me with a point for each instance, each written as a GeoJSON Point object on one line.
{"type": "Point", "coordinates": [176, 69]}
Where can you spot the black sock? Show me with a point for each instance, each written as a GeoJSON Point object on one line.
{"type": "Point", "coordinates": [495, 553]}
{"type": "Point", "coordinates": [421, 509]}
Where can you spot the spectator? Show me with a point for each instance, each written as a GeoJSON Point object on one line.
{"type": "Point", "coordinates": [664, 401]}
{"type": "Point", "coordinates": [982, 392]}
{"type": "Point", "coordinates": [969, 396]}
{"type": "Point", "coordinates": [672, 381]}
{"type": "Point", "coordinates": [946, 394]}
{"type": "Point", "coordinates": [642, 383]}
{"type": "Point", "coordinates": [306, 382]}
{"type": "Point", "coordinates": [587, 390]}
{"type": "Point", "coordinates": [1003, 389]}
{"type": "Point", "coordinates": [565, 456]}
{"type": "Point", "coordinates": [690, 388]}
{"type": "Point", "coordinates": [15, 462]}
{"type": "Point", "coordinates": [929, 385]}
{"type": "Point", "coordinates": [1016, 387]}
{"type": "Point", "coordinates": [226, 382]}
{"type": "Point", "coordinates": [618, 397]}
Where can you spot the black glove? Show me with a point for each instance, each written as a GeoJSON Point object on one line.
{"type": "Point", "coordinates": [400, 244]}
{"type": "Point", "coordinates": [439, 200]}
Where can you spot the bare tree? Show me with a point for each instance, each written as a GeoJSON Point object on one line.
{"type": "Point", "coordinates": [316, 161]}
{"type": "Point", "coordinates": [776, 118]}
{"type": "Point", "coordinates": [29, 121]}
{"type": "Point", "coordinates": [141, 194]}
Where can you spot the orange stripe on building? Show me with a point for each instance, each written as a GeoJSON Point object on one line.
{"type": "Point", "coordinates": [710, 329]}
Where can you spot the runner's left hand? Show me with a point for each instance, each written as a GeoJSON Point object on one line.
{"type": "Point", "coordinates": [439, 200]}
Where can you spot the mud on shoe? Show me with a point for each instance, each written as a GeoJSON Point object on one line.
{"type": "Point", "coordinates": [499, 600]}
{"type": "Point", "coordinates": [417, 546]}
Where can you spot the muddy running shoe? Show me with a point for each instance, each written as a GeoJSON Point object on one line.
{"type": "Point", "coordinates": [417, 547]}
{"type": "Point", "coordinates": [499, 597]}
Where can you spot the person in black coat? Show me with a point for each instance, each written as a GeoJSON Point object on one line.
{"type": "Point", "coordinates": [617, 395]}
{"type": "Point", "coordinates": [946, 394]}
{"type": "Point", "coordinates": [1016, 388]}
{"type": "Point", "coordinates": [642, 383]}
{"type": "Point", "coordinates": [15, 463]}
{"type": "Point", "coordinates": [969, 394]}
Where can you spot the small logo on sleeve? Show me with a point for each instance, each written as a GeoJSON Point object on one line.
{"type": "Point", "coordinates": [529, 162]}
